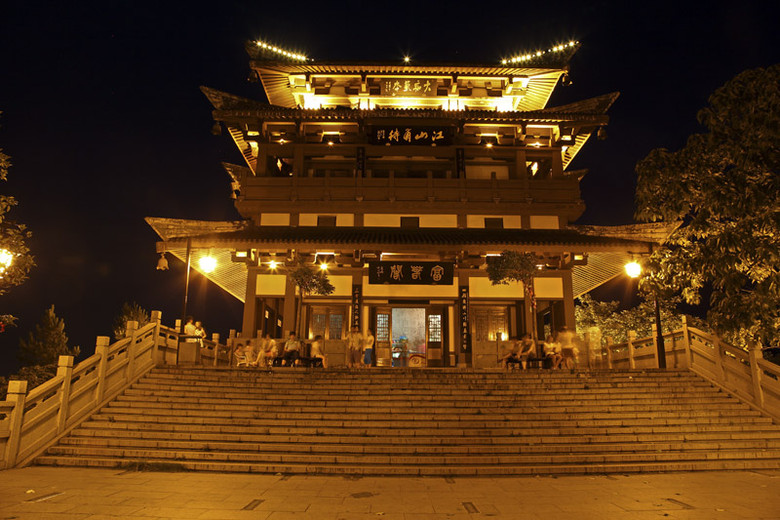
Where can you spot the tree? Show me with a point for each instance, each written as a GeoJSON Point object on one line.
{"type": "Point", "coordinates": [724, 188]}
{"type": "Point", "coordinates": [616, 324]}
{"type": "Point", "coordinates": [15, 258]}
{"type": "Point", "coordinates": [308, 280]}
{"type": "Point", "coordinates": [512, 266]}
{"type": "Point", "coordinates": [47, 343]}
{"type": "Point", "coordinates": [130, 312]}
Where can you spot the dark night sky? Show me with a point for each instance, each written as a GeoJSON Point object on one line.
{"type": "Point", "coordinates": [105, 123]}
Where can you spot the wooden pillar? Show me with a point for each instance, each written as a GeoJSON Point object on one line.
{"type": "Point", "coordinates": [64, 370]}
{"type": "Point", "coordinates": [568, 301]}
{"type": "Point", "coordinates": [215, 339]}
{"type": "Point", "coordinates": [250, 302]}
{"type": "Point", "coordinates": [17, 394]}
{"type": "Point", "coordinates": [288, 321]}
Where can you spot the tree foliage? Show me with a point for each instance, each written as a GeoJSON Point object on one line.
{"type": "Point", "coordinates": [130, 311]}
{"type": "Point", "coordinates": [512, 266]}
{"type": "Point", "coordinates": [724, 188]}
{"type": "Point", "coordinates": [308, 280]}
{"type": "Point", "coordinates": [13, 237]}
{"type": "Point", "coordinates": [47, 342]}
{"type": "Point", "coordinates": [616, 324]}
{"type": "Point", "coordinates": [34, 375]}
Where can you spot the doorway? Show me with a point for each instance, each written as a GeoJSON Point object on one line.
{"type": "Point", "coordinates": [410, 336]}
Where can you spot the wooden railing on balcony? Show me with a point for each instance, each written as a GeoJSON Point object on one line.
{"type": "Point", "coordinates": [31, 422]}
{"type": "Point", "coordinates": [429, 189]}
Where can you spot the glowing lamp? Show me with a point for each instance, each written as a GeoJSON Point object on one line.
{"type": "Point", "coordinates": [6, 259]}
{"type": "Point", "coordinates": [273, 264]}
{"type": "Point", "coordinates": [323, 266]}
{"type": "Point", "coordinates": [633, 269]}
{"type": "Point", "coordinates": [207, 264]}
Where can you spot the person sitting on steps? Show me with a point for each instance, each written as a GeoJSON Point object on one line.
{"type": "Point", "coordinates": [316, 351]}
{"type": "Point", "coordinates": [527, 350]}
{"type": "Point", "coordinates": [292, 350]}
{"type": "Point", "coordinates": [510, 356]}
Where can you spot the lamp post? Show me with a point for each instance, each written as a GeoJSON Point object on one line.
{"type": "Point", "coordinates": [634, 270]}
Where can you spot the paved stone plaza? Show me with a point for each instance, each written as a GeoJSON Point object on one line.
{"type": "Point", "coordinates": [44, 493]}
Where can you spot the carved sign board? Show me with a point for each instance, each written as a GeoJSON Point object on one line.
{"type": "Point", "coordinates": [415, 135]}
{"type": "Point", "coordinates": [408, 87]}
{"type": "Point", "coordinates": [411, 273]}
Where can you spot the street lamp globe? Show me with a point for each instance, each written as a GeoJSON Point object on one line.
{"type": "Point", "coordinates": [6, 259]}
{"type": "Point", "coordinates": [633, 269]}
{"type": "Point", "coordinates": [207, 263]}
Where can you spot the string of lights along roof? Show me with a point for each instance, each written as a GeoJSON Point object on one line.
{"type": "Point", "coordinates": [525, 57]}
{"type": "Point", "coordinates": [517, 59]}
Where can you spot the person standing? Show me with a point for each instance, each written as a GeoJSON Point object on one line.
{"type": "Point", "coordinates": [200, 332]}
{"type": "Point", "coordinates": [368, 349]}
{"type": "Point", "coordinates": [354, 348]}
{"type": "Point", "coordinates": [190, 331]}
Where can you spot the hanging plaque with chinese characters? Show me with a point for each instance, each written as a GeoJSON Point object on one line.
{"type": "Point", "coordinates": [411, 273]}
{"type": "Point", "coordinates": [357, 302]}
{"type": "Point", "coordinates": [415, 135]}
{"type": "Point", "coordinates": [463, 307]}
{"type": "Point", "coordinates": [408, 87]}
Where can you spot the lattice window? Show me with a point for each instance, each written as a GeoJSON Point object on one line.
{"type": "Point", "coordinates": [434, 328]}
{"type": "Point", "coordinates": [318, 324]}
{"type": "Point", "coordinates": [383, 327]}
{"type": "Point", "coordinates": [336, 326]}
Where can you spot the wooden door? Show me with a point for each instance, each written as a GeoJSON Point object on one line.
{"type": "Point", "coordinates": [383, 333]}
{"type": "Point", "coordinates": [435, 327]}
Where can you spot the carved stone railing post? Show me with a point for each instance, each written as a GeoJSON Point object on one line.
{"type": "Point", "coordinates": [131, 331]}
{"type": "Point", "coordinates": [655, 345]}
{"type": "Point", "coordinates": [17, 394]}
{"type": "Point", "coordinates": [158, 355]}
{"type": "Point", "coordinates": [609, 352]}
{"type": "Point", "coordinates": [631, 353]}
{"type": "Point", "coordinates": [215, 339]}
{"type": "Point", "coordinates": [101, 349]}
{"type": "Point", "coordinates": [719, 359]}
{"type": "Point", "coordinates": [754, 350]}
{"type": "Point", "coordinates": [687, 342]}
{"type": "Point", "coordinates": [64, 369]}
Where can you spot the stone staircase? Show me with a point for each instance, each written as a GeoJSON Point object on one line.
{"type": "Point", "coordinates": [422, 422]}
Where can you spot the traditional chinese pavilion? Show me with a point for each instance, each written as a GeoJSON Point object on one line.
{"type": "Point", "coordinates": [402, 180]}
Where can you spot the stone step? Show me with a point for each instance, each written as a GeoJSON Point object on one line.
{"type": "Point", "coordinates": [503, 413]}
{"type": "Point", "coordinates": [441, 470]}
{"type": "Point", "coordinates": [422, 422]}
{"type": "Point", "coordinates": [430, 440]}
{"type": "Point", "coordinates": [388, 431]}
{"type": "Point", "coordinates": [355, 448]}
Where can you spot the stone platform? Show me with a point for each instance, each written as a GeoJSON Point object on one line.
{"type": "Point", "coordinates": [43, 493]}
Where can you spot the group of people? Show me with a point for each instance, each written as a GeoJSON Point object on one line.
{"type": "Point", "coordinates": [264, 354]}
{"type": "Point", "coordinates": [194, 331]}
{"type": "Point", "coordinates": [558, 350]}
{"type": "Point", "coordinates": [360, 348]}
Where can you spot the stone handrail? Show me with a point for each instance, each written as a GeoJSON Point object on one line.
{"type": "Point", "coordinates": [30, 423]}
{"type": "Point", "coordinates": [745, 374]}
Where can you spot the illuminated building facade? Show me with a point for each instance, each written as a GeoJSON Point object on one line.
{"type": "Point", "coordinates": [403, 179]}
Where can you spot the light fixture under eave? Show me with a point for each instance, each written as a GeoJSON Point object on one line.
{"type": "Point", "coordinates": [162, 262]}
{"type": "Point", "coordinates": [633, 269]}
{"type": "Point", "coordinates": [207, 263]}
{"type": "Point", "coordinates": [273, 264]}
{"type": "Point", "coordinates": [324, 266]}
